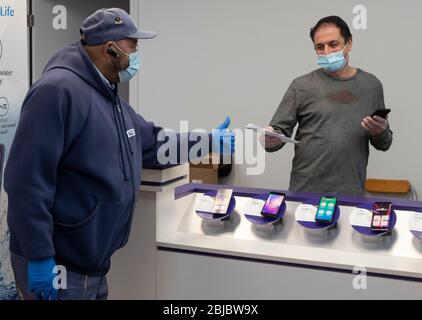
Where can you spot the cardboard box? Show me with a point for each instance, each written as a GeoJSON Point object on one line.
{"type": "Point", "coordinates": [206, 173]}
{"type": "Point", "coordinates": [204, 176]}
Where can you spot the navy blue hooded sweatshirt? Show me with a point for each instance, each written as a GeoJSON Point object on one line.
{"type": "Point", "coordinates": [74, 168]}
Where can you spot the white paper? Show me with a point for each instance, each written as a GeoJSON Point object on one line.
{"type": "Point", "coordinates": [205, 204]}
{"type": "Point", "coordinates": [253, 207]}
{"type": "Point", "coordinates": [280, 136]}
{"type": "Point", "coordinates": [415, 221]}
{"type": "Point", "coordinates": [361, 218]}
{"type": "Point", "coordinates": [306, 213]}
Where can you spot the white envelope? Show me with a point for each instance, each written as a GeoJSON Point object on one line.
{"type": "Point", "coordinates": [305, 212]}
{"type": "Point", "coordinates": [415, 221]}
{"type": "Point", "coordinates": [253, 207]}
{"type": "Point", "coordinates": [361, 217]}
{"type": "Point", "coordinates": [260, 130]}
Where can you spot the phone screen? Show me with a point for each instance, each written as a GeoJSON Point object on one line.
{"type": "Point", "coordinates": [326, 209]}
{"type": "Point", "coordinates": [381, 216]}
{"type": "Point", "coordinates": [273, 204]}
{"type": "Point", "coordinates": [222, 201]}
{"type": "Point", "coordinates": [383, 113]}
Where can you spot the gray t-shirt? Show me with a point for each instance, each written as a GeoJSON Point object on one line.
{"type": "Point", "coordinates": [333, 152]}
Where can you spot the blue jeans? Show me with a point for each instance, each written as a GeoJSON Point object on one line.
{"type": "Point", "coordinates": [79, 286]}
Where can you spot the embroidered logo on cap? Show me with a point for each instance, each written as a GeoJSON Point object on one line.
{"type": "Point", "coordinates": [118, 20]}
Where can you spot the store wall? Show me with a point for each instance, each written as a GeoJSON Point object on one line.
{"type": "Point", "coordinates": [215, 58]}
{"type": "Point", "coordinates": [48, 32]}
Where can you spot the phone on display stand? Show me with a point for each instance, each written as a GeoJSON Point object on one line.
{"type": "Point", "coordinates": [222, 201]}
{"type": "Point", "coordinates": [326, 208]}
{"type": "Point", "coordinates": [273, 204]}
{"type": "Point", "coordinates": [381, 216]}
{"type": "Point", "coordinates": [383, 113]}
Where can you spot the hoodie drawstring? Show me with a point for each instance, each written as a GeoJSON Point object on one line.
{"type": "Point", "coordinates": [116, 121]}
{"type": "Point", "coordinates": [125, 127]}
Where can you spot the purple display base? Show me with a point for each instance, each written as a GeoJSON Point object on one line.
{"type": "Point", "coordinates": [417, 234]}
{"type": "Point", "coordinates": [367, 231]}
{"type": "Point", "coordinates": [320, 225]}
{"type": "Point", "coordinates": [399, 204]}
{"type": "Point", "coordinates": [217, 217]}
{"type": "Point", "coordinates": [267, 220]}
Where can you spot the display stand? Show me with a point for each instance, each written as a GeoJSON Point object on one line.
{"type": "Point", "coordinates": [310, 223]}
{"type": "Point", "coordinates": [366, 230]}
{"type": "Point", "coordinates": [266, 223]}
{"type": "Point", "coordinates": [217, 219]}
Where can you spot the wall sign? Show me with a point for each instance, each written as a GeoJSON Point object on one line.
{"type": "Point", "coordinates": [14, 84]}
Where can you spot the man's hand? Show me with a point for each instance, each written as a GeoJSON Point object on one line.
{"type": "Point", "coordinates": [223, 138]}
{"type": "Point", "coordinates": [41, 277]}
{"type": "Point", "coordinates": [375, 125]}
{"type": "Point", "coordinates": [270, 142]}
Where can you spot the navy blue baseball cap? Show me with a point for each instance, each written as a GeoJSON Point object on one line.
{"type": "Point", "coordinates": [112, 24]}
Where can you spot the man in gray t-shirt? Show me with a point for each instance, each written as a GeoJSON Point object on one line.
{"type": "Point", "coordinates": [332, 107]}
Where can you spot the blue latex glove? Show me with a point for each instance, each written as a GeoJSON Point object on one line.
{"type": "Point", "coordinates": [223, 138]}
{"type": "Point", "coordinates": [41, 277]}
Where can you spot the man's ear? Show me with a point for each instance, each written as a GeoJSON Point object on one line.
{"type": "Point", "coordinates": [350, 44]}
{"type": "Point", "coordinates": [110, 51]}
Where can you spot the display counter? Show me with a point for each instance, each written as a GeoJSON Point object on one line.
{"type": "Point", "coordinates": [236, 259]}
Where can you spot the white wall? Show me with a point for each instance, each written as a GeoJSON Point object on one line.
{"type": "Point", "coordinates": [46, 40]}
{"type": "Point", "coordinates": [217, 57]}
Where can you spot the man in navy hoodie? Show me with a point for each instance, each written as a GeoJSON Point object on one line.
{"type": "Point", "coordinates": [74, 168]}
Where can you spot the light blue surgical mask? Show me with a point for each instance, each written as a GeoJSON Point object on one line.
{"type": "Point", "coordinates": [332, 62]}
{"type": "Point", "coordinates": [134, 66]}
{"type": "Point", "coordinates": [133, 69]}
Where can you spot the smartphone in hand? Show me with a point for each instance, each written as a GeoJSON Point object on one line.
{"type": "Point", "coordinates": [383, 113]}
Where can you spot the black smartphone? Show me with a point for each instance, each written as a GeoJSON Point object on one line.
{"type": "Point", "coordinates": [383, 113]}
{"type": "Point", "coordinates": [272, 204]}
{"type": "Point", "coordinates": [381, 216]}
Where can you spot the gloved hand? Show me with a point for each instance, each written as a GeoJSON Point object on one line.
{"type": "Point", "coordinates": [41, 277]}
{"type": "Point", "coordinates": [224, 139]}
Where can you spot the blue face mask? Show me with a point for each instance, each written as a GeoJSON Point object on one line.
{"type": "Point", "coordinates": [133, 69]}
{"type": "Point", "coordinates": [332, 62]}
{"type": "Point", "coordinates": [134, 66]}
